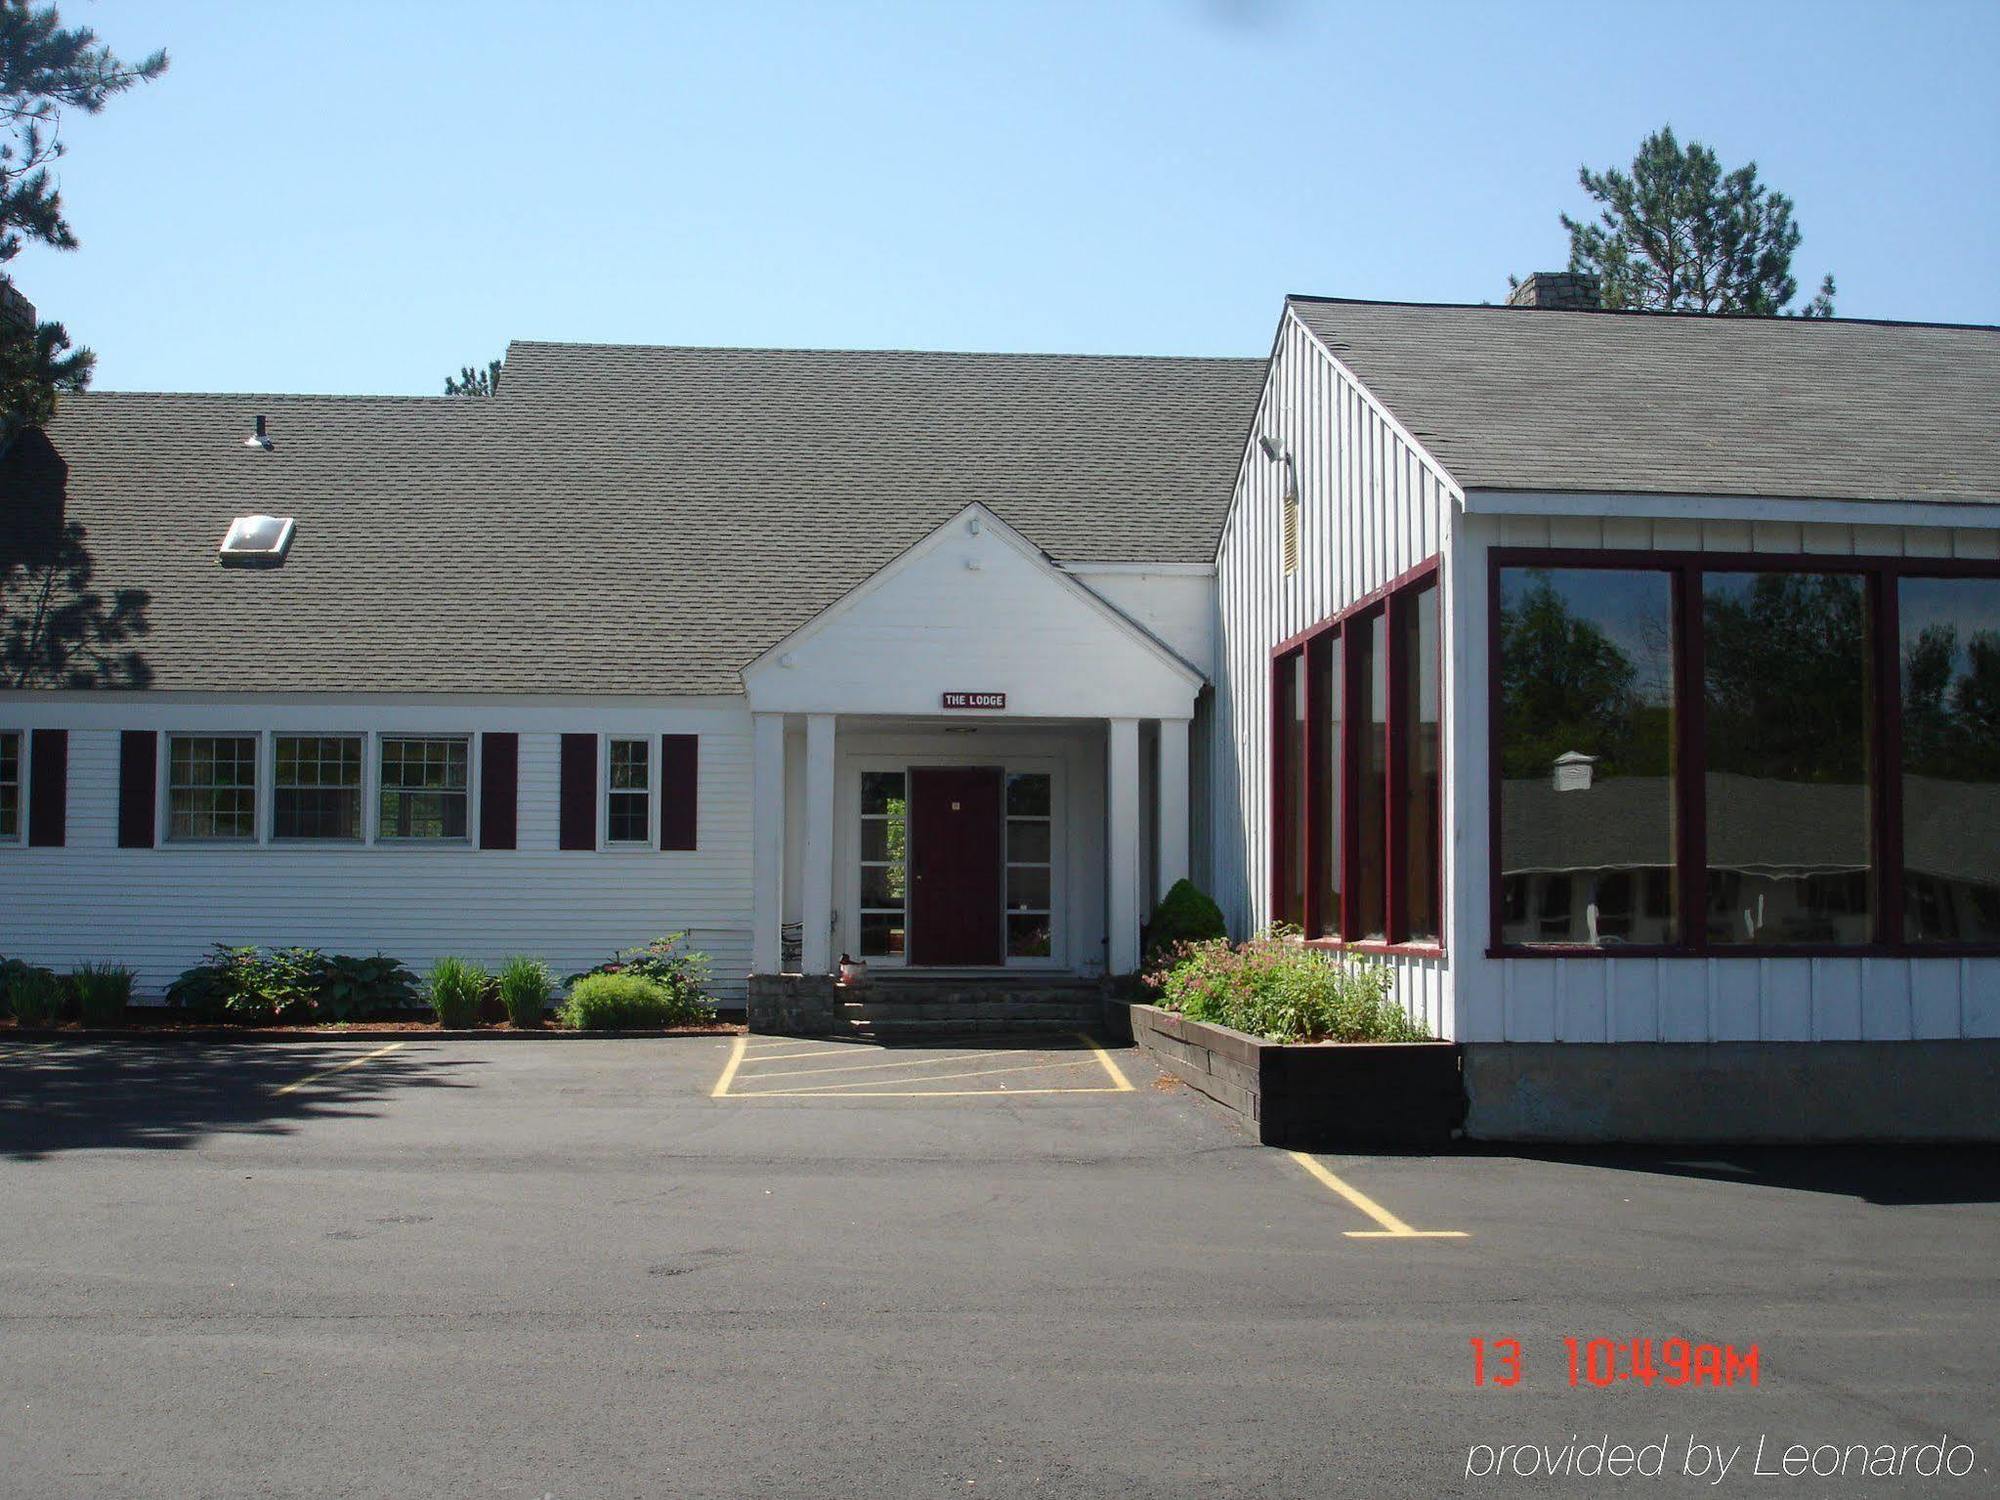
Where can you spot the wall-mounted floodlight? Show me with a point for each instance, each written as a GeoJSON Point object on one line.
{"type": "Point", "coordinates": [1273, 449]}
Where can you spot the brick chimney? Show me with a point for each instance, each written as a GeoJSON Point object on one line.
{"type": "Point", "coordinates": [1566, 290]}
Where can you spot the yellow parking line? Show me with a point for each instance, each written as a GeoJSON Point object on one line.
{"type": "Point", "coordinates": [721, 1089]}
{"type": "Point", "coordinates": [788, 1056]}
{"type": "Point", "coordinates": [915, 1062]}
{"type": "Point", "coordinates": [352, 1062]}
{"type": "Point", "coordinates": [916, 1093]}
{"type": "Point", "coordinates": [947, 1077]}
{"type": "Point", "coordinates": [1123, 1085]}
{"type": "Point", "coordinates": [1392, 1228]}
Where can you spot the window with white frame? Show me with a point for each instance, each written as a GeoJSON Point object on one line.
{"type": "Point", "coordinates": [628, 799]}
{"type": "Point", "coordinates": [316, 787]}
{"type": "Point", "coordinates": [10, 786]}
{"type": "Point", "coordinates": [425, 787]}
{"type": "Point", "coordinates": [212, 788]}
{"type": "Point", "coordinates": [1030, 865]}
{"type": "Point", "coordinates": [884, 864]}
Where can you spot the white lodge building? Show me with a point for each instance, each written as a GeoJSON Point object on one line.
{"type": "Point", "coordinates": [1629, 683]}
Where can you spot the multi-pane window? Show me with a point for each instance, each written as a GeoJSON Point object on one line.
{"type": "Point", "coordinates": [884, 863]}
{"type": "Point", "coordinates": [1950, 659]}
{"type": "Point", "coordinates": [1725, 756]}
{"type": "Point", "coordinates": [10, 786]}
{"type": "Point", "coordinates": [1030, 844]}
{"type": "Point", "coordinates": [1586, 732]}
{"type": "Point", "coordinates": [1357, 773]}
{"type": "Point", "coordinates": [212, 787]}
{"type": "Point", "coordinates": [316, 787]}
{"type": "Point", "coordinates": [628, 804]}
{"type": "Point", "coordinates": [424, 787]}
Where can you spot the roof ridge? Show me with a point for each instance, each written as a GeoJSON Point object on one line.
{"type": "Point", "coordinates": [966, 354]}
{"type": "Point", "coordinates": [1637, 312]}
{"type": "Point", "coordinates": [355, 396]}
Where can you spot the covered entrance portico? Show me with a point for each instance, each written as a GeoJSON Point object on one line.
{"type": "Point", "coordinates": [970, 764]}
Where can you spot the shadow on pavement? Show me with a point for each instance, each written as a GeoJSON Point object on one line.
{"type": "Point", "coordinates": [170, 1095]}
{"type": "Point", "coordinates": [1889, 1175]}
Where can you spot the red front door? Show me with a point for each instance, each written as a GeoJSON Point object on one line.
{"type": "Point", "coordinates": [957, 867]}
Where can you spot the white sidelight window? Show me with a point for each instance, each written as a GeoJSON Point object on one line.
{"type": "Point", "coordinates": [10, 786]}
{"type": "Point", "coordinates": [425, 787]}
{"type": "Point", "coordinates": [316, 787]}
{"type": "Point", "coordinates": [1030, 865]}
{"type": "Point", "coordinates": [628, 797]}
{"type": "Point", "coordinates": [212, 788]}
{"type": "Point", "coordinates": [884, 870]}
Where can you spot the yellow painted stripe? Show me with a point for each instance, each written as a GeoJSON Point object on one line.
{"type": "Point", "coordinates": [917, 1062]}
{"type": "Point", "coordinates": [916, 1093]}
{"type": "Point", "coordinates": [1118, 1078]}
{"type": "Point", "coordinates": [848, 1051]}
{"type": "Point", "coordinates": [352, 1062]}
{"type": "Point", "coordinates": [1392, 1228]}
{"type": "Point", "coordinates": [943, 1077]}
{"type": "Point", "coordinates": [721, 1089]}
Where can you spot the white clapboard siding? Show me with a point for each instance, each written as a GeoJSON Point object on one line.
{"type": "Point", "coordinates": [158, 909]}
{"type": "Point", "coordinates": [1372, 506]}
{"type": "Point", "coordinates": [1678, 999]}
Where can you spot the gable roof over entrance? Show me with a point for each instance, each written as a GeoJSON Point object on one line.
{"type": "Point", "coordinates": [618, 519]}
{"type": "Point", "coordinates": [1512, 398]}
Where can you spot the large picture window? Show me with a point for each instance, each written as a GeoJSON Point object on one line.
{"type": "Point", "coordinates": [1736, 755]}
{"type": "Point", "coordinates": [1357, 785]}
{"type": "Point", "coordinates": [424, 787]}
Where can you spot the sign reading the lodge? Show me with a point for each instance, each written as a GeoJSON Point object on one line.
{"type": "Point", "coordinates": [975, 700]}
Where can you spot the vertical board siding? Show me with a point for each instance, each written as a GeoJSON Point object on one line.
{"type": "Point", "coordinates": [158, 908]}
{"type": "Point", "coordinates": [1371, 507]}
{"type": "Point", "coordinates": [1670, 999]}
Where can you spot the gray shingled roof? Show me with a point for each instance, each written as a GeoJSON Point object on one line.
{"type": "Point", "coordinates": [1514, 398]}
{"type": "Point", "coordinates": [619, 519]}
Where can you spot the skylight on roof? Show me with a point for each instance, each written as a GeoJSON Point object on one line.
{"type": "Point", "coordinates": [256, 541]}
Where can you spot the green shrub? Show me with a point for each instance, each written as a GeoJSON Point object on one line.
{"type": "Point", "coordinates": [681, 971]}
{"type": "Point", "coordinates": [455, 988]}
{"type": "Point", "coordinates": [35, 995]}
{"type": "Point", "coordinates": [1277, 988]}
{"type": "Point", "coordinates": [102, 992]}
{"type": "Point", "coordinates": [348, 989]}
{"type": "Point", "coordinates": [228, 985]}
{"type": "Point", "coordinates": [1185, 915]}
{"type": "Point", "coordinates": [525, 987]}
{"type": "Point", "coordinates": [631, 1002]}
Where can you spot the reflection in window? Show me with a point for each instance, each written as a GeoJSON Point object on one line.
{"type": "Point", "coordinates": [1325, 663]}
{"type": "Point", "coordinates": [424, 787]}
{"type": "Point", "coordinates": [316, 787]}
{"type": "Point", "coordinates": [1289, 899]}
{"type": "Point", "coordinates": [1951, 759]}
{"type": "Point", "coordinates": [1421, 826]}
{"type": "Point", "coordinates": [1030, 899]}
{"type": "Point", "coordinates": [1587, 815]}
{"type": "Point", "coordinates": [10, 787]}
{"type": "Point", "coordinates": [628, 799]}
{"type": "Point", "coordinates": [212, 787]}
{"type": "Point", "coordinates": [1785, 680]}
{"type": "Point", "coordinates": [1371, 668]}
{"type": "Point", "coordinates": [884, 867]}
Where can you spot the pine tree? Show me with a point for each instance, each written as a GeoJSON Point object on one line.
{"type": "Point", "coordinates": [45, 69]}
{"type": "Point", "coordinates": [471, 382]}
{"type": "Point", "coordinates": [1678, 234]}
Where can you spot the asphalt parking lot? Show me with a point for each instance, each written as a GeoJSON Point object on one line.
{"type": "Point", "coordinates": [712, 1266]}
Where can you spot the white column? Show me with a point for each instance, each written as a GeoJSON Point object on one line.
{"type": "Point", "coordinates": [1121, 859]}
{"type": "Point", "coordinates": [816, 883]}
{"type": "Point", "coordinates": [767, 842]}
{"type": "Point", "coordinates": [1171, 816]}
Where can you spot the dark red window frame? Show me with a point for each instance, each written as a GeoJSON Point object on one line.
{"type": "Point", "coordinates": [1880, 576]}
{"type": "Point", "coordinates": [1336, 633]}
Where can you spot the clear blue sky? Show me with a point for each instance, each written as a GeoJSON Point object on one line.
{"type": "Point", "coordinates": [363, 196]}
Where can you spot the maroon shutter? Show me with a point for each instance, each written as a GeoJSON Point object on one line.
{"type": "Point", "coordinates": [680, 767]}
{"type": "Point", "coordinates": [499, 788]}
{"type": "Point", "coordinates": [579, 791]}
{"type": "Point", "coordinates": [48, 788]}
{"type": "Point", "coordinates": [138, 776]}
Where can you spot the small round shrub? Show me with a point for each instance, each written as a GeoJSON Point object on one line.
{"type": "Point", "coordinates": [631, 1002]}
{"type": "Point", "coordinates": [454, 989]}
{"type": "Point", "coordinates": [102, 992]}
{"type": "Point", "coordinates": [525, 987]}
{"type": "Point", "coordinates": [1185, 915]}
